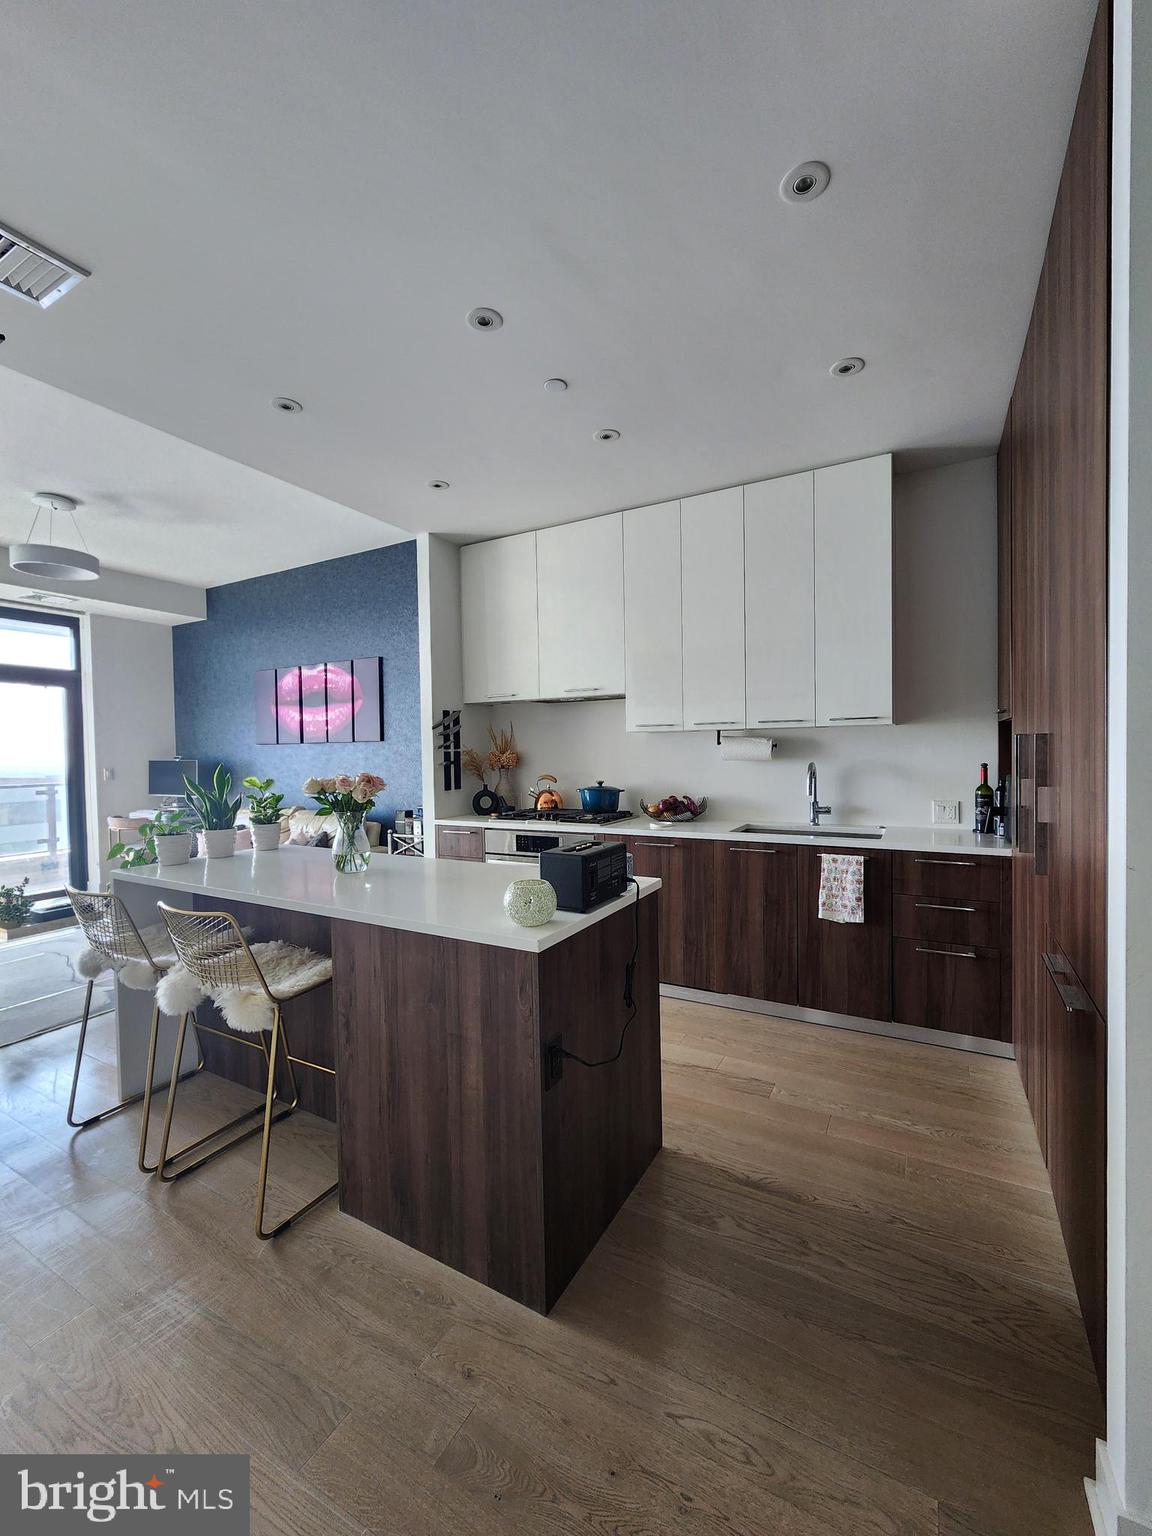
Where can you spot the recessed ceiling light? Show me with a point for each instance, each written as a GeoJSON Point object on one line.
{"type": "Point", "coordinates": [606, 435]}
{"type": "Point", "coordinates": [484, 319]}
{"type": "Point", "coordinates": [555, 386]}
{"type": "Point", "coordinates": [846, 367]}
{"type": "Point", "coordinates": [438, 485]}
{"type": "Point", "coordinates": [804, 183]}
{"type": "Point", "coordinates": [286, 404]}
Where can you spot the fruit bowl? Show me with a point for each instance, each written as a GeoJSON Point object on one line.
{"type": "Point", "coordinates": [674, 808]}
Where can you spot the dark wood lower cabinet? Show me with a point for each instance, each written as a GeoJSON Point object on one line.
{"type": "Point", "coordinates": [846, 967]}
{"type": "Point", "coordinates": [947, 986]}
{"type": "Point", "coordinates": [756, 921]}
{"type": "Point", "coordinates": [687, 906]}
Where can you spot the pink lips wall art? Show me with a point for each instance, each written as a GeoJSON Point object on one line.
{"type": "Point", "coordinates": [321, 701]}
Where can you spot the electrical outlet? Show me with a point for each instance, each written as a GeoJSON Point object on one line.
{"type": "Point", "coordinates": [946, 813]}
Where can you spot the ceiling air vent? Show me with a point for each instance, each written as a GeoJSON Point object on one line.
{"type": "Point", "coordinates": [32, 273]}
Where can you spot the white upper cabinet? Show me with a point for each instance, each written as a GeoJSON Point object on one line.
{"type": "Point", "coordinates": [653, 643]}
{"type": "Point", "coordinates": [853, 505]}
{"type": "Point", "coordinates": [712, 593]}
{"type": "Point", "coordinates": [580, 571]}
{"type": "Point", "coordinates": [780, 602]}
{"type": "Point", "coordinates": [498, 619]}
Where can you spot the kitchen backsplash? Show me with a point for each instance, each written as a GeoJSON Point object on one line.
{"type": "Point", "coordinates": [944, 533]}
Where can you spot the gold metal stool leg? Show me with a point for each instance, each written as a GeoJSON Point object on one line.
{"type": "Point", "coordinates": [142, 1155]}
{"type": "Point", "coordinates": [83, 1125]}
{"type": "Point", "coordinates": [164, 1165]}
{"type": "Point", "coordinates": [266, 1140]}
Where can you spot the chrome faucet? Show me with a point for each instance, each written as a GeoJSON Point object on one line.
{"type": "Point", "coordinates": [815, 809]}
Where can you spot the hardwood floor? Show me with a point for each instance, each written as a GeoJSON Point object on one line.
{"type": "Point", "coordinates": [836, 1305]}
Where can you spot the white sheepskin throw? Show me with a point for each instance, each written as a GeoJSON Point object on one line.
{"type": "Point", "coordinates": [178, 991]}
{"type": "Point", "coordinates": [90, 963]}
{"type": "Point", "coordinates": [288, 969]}
{"type": "Point", "coordinates": [137, 974]}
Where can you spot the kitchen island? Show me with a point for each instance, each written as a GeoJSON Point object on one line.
{"type": "Point", "coordinates": [462, 1131]}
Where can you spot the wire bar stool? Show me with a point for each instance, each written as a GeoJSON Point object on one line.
{"type": "Point", "coordinates": [139, 959]}
{"type": "Point", "coordinates": [212, 948]}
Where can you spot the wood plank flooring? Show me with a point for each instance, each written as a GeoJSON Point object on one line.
{"type": "Point", "coordinates": [836, 1305]}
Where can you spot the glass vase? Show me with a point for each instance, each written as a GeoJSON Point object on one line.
{"type": "Point", "coordinates": [351, 850]}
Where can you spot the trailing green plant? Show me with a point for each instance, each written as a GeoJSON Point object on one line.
{"type": "Point", "coordinates": [171, 823]}
{"type": "Point", "coordinates": [217, 812]}
{"type": "Point", "coordinates": [263, 808]}
{"type": "Point", "coordinates": [15, 906]}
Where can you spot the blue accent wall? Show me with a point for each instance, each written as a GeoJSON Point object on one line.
{"type": "Point", "coordinates": [362, 605]}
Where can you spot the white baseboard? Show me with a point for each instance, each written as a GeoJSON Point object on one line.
{"type": "Point", "coordinates": [1108, 1517]}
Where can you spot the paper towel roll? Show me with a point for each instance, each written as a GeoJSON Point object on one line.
{"type": "Point", "coordinates": [746, 749]}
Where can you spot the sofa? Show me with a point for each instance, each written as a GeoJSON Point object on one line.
{"type": "Point", "coordinates": [302, 822]}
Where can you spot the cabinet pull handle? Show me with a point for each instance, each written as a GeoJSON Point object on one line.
{"type": "Point", "coordinates": [503, 695]}
{"type": "Point", "coordinates": [955, 954]}
{"type": "Point", "coordinates": [597, 689]}
{"type": "Point", "coordinates": [744, 848]}
{"type": "Point", "coordinates": [647, 843]}
{"type": "Point", "coordinates": [716, 722]}
{"type": "Point", "coordinates": [1071, 996]}
{"type": "Point", "coordinates": [652, 725]}
{"type": "Point", "coordinates": [857, 717]}
{"type": "Point", "coordinates": [951, 863]}
{"type": "Point", "coordinates": [801, 720]}
{"type": "Point", "coordinates": [945, 906]}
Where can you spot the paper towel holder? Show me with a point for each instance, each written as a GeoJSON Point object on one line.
{"type": "Point", "coordinates": [748, 735]}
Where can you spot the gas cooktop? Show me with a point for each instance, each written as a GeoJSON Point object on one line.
{"type": "Point", "coordinates": [586, 818]}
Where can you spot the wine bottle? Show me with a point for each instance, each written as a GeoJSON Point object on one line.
{"type": "Point", "coordinates": [984, 799]}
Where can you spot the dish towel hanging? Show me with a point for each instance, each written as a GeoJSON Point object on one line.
{"type": "Point", "coordinates": [842, 887]}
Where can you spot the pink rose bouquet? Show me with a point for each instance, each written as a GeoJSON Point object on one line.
{"type": "Point", "coordinates": [345, 795]}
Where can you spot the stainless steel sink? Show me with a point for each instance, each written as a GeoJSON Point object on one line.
{"type": "Point", "coordinates": [802, 829]}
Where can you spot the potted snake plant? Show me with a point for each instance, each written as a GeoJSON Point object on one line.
{"type": "Point", "coordinates": [217, 812]}
{"type": "Point", "coordinates": [263, 814]}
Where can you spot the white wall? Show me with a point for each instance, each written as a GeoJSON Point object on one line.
{"type": "Point", "coordinates": [1121, 1496]}
{"type": "Point", "coordinates": [441, 674]}
{"type": "Point", "coordinates": [128, 718]}
{"type": "Point", "coordinates": [944, 533]}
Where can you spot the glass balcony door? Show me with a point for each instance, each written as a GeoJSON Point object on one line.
{"type": "Point", "coordinates": [42, 829]}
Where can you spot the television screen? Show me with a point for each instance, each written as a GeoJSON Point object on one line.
{"type": "Point", "coordinates": [166, 775]}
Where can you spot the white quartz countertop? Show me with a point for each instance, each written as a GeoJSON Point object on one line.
{"type": "Point", "coordinates": [898, 839]}
{"type": "Point", "coordinates": [450, 899]}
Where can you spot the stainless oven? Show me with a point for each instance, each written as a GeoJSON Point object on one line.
{"type": "Point", "coordinates": [503, 846]}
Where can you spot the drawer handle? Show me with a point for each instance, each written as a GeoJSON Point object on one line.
{"type": "Point", "coordinates": [800, 720]}
{"type": "Point", "coordinates": [1071, 996]}
{"type": "Point", "coordinates": [744, 848]}
{"type": "Point", "coordinates": [954, 954]}
{"type": "Point", "coordinates": [647, 843]}
{"type": "Point", "coordinates": [857, 717]}
{"type": "Point", "coordinates": [951, 863]}
{"type": "Point", "coordinates": [654, 725]}
{"type": "Point", "coordinates": [598, 689]}
{"type": "Point", "coordinates": [503, 695]}
{"type": "Point", "coordinates": [717, 722]}
{"type": "Point", "coordinates": [945, 906]}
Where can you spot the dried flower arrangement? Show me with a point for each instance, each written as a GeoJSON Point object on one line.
{"type": "Point", "coordinates": [500, 758]}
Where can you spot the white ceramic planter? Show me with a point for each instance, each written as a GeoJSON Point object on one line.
{"type": "Point", "coordinates": [173, 848]}
{"type": "Point", "coordinates": [265, 836]}
{"type": "Point", "coordinates": [219, 843]}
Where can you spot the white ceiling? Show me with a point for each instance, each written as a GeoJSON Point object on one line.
{"type": "Point", "coordinates": [282, 197]}
{"type": "Point", "coordinates": [154, 505]}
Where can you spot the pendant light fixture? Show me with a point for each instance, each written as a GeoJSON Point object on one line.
{"type": "Point", "coordinates": [54, 562]}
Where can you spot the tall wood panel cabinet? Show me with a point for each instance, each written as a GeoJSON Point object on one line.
{"type": "Point", "coordinates": [1053, 479]}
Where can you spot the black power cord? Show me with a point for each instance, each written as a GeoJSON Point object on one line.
{"type": "Point", "coordinates": [629, 994]}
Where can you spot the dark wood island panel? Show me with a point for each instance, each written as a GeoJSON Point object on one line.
{"type": "Point", "coordinates": [450, 1141]}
